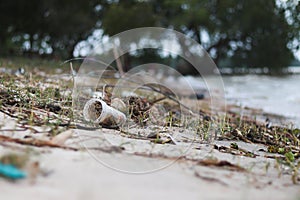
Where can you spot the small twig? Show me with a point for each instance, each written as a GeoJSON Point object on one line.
{"type": "Point", "coordinates": [210, 179]}
{"type": "Point", "coordinates": [171, 98]}
{"type": "Point", "coordinates": [12, 130]}
{"type": "Point", "coordinates": [34, 142]}
{"type": "Point", "coordinates": [72, 72]}
{"type": "Point", "coordinates": [7, 113]}
{"type": "Point", "coordinates": [157, 100]}
{"type": "Point", "coordinates": [119, 64]}
{"type": "Point", "coordinates": [222, 163]}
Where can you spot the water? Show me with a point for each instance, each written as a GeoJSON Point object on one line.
{"type": "Point", "coordinates": [277, 95]}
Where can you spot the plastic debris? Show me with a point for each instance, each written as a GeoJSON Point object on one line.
{"type": "Point", "coordinates": [10, 171]}
{"type": "Point", "coordinates": [98, 112]}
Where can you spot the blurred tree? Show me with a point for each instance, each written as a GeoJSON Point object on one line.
{"type": "Point", "coordinates": [249, 33]}
{"type": "Point", "coordinates": [125, 15]}
{"type": "Point", "coordinates": [291, 10]}
{"type": "Point", "coordinates": [256, 34]}
{"type": "Point", "coordinates": [67, 23]}
{"type": "Point", "coordinates": [42, 26]}
{"type": "Point", "coordinates": [245, 32]}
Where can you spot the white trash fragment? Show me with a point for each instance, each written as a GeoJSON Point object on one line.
{"type": "Point", "coordinates": [98, 112]}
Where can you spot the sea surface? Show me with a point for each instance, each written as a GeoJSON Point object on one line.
{"type": "Point", "coordinates": [278, 95]}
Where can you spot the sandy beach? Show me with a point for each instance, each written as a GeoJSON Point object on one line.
{"type": "Point", "coordinates": [143, 170]}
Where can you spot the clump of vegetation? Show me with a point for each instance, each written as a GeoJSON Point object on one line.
{"type": "Point", "coordinates": [36, 100]}
{"type": "Point", "coordinates": [279, 139]}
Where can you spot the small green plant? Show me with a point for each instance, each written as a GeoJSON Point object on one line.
{"type": "Point", "coordinates": [289, 161]}
{"type": "Point", "coordinates": [234, 146]}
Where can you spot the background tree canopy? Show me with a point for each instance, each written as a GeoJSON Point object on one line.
{"type": "Point", "coordinates": [251, 33]}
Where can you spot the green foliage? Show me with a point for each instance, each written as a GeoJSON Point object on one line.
{"type": "Point", "coordinates": [250, 33]}
{"type": "Point", "coordinates": [289, 156]}
{"type": "Point", "coordinates": [127, 15]}
{"type": "Point", "coordinates": [234, 145]}
{"type": "Point", "coordinates": [46, 27]}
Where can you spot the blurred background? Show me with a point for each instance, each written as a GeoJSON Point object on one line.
{"type": "Point", "coordinates": [237, 34]}
{"type": "Point", "coordinates": [252, 38]}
